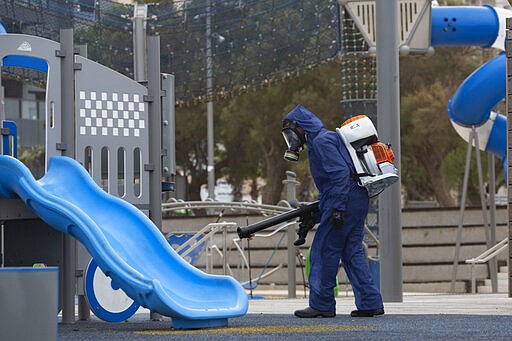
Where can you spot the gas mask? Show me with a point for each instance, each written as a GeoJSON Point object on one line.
{"type": "Point", "coordinates": [295, 139]}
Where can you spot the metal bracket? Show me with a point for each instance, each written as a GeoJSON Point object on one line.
{"type": "Point", "coordinates": [60, 146]}
{"type": "Point", "coordinates": [148, 98]}
{"type": "Point", "coordinates": [60, 53]}
{"type": "Point", "coordinates": [77, 66]}
{"type": "Point", "coordinates": [149, 167]}
{"type": "Point", "coordinates": [5, 131]}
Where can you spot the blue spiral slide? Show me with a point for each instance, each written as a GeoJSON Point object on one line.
{"type": "Point", "coordinates": [472, 104]}
{"type": "Point", "coordinates": [125, 243]}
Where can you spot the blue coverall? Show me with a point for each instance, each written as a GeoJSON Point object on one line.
{"type": "Point", "coordinates": [332, 170]}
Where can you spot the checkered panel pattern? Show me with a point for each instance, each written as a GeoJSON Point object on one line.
{"type": "Point", "coordinates": [111, 114]}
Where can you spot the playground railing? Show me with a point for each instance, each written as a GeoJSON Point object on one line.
{"type": "Point", "coordinates": [204, 237]}
{"type": "Point", "coordinates": [484, 258]}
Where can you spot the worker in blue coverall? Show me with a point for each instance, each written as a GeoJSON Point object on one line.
{"type": "Point", "coordinates": [343, 205]}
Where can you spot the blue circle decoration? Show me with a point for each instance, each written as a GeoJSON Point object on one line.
{"type": "Point", "coordinates": [98, 310]}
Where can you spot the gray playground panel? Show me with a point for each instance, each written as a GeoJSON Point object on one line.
{"type": "Point", "coordinates": [111, 112]}
{"type": "Point", "coordinates": [111, 119]}
{"type": "Point", "coordinates": [29, 310]}
{"type": "Point", "coordinates": [31, 46]}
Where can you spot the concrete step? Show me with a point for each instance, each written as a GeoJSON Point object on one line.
{"type": "Point", "coordinates": [487, 289]}
{"type": "Point", "coordinates": [503, 279]}
{"type": "Point", "coordinates": [503, 276]}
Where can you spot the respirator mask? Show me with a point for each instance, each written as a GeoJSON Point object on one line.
{"type": "Point", "coordinates": [295, 139]}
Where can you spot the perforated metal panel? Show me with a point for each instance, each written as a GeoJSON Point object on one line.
{"type": "Point", "coordinates": [414, 16]}
{"type": "Point", "coordinates": [112, 130]}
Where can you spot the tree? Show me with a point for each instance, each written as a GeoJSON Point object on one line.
{"type": "Point", "coordinates": [251, 124]}
{"type": "Point", "coordinates": [429, 144]}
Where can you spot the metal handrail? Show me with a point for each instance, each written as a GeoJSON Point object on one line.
{"type": "Point", "coordinates": [263, 209]}
{"type": "Point", "coordinates": [484, 258]}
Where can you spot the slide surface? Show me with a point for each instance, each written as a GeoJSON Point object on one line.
{"type": "Point", "coordinates": [127, 246]}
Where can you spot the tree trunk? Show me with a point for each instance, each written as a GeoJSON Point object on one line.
{"type": "Point", "coordinates": [441, 190]}
{"type": "Point", "coordinates": [275, 170]}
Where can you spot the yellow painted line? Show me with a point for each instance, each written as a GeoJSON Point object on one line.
{"type": "Point", "coordinates": [255, 330]}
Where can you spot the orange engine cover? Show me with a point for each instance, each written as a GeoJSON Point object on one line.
{"type": "Point", "coordinates": [382, 152]}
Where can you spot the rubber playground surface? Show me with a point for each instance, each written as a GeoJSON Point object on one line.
{"type": "Point", "coordinates": [418, 317]}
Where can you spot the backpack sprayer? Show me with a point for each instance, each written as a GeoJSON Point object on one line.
{"type": "Point", "coordinates": [373, 160]}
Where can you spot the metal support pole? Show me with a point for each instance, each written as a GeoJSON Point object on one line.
{"type": "Point", "coordinates": [84, 311]}
{"type": "Point", "coordinates": [508, 49]}
{"type": "Point", "coordinates": [2, 100]}
{"type": "Point", "coordinates": [209, 104]}
{"type": "Point", "coordinates": [168, 128]}
{"type": "Point", "coordinates": [2, 247]}
{"type": "Point", "coordinates": [225, 250]}
{"type": "Point", "coordinates": [493, 263]}
{"type": "Point", "coordinates": [68, 144]}
{"type": "Point", "coordinates": [482, 191]}
{"type": "Point", "coordinates": [388, 122]}
{"type": "Point", "coordinates": [291, 195]}
{"type": "Point", "coordinates": [155, 137]}
{"type": "Point", "coordinates": [462, 208]}
{"type": "Point", "coordinates": [140, 12]}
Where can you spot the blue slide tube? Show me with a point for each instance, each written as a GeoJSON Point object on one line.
{"type": "Point", "coordinates": [472, 103]}
{"type": "Point", "coordinates": [464, 26]}
{"type": "Point", "coordinates": [479, 93]}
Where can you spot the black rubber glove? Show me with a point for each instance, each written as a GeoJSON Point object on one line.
{"type": "Point", "coordinates": [336, 218]}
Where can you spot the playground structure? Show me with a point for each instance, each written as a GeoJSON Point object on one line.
{"type": "Point", "coordinates": [113, 129]}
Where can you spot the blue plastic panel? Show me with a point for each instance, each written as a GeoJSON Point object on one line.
{"type": "Point", "coordinates": [26, 62]}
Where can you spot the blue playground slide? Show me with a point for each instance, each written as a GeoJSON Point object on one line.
{"type": "Point", "coordinates": [472, 103]}
{"type": "Point", "coordinates": [125, 243]}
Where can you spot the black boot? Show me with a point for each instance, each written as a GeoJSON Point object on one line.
{"type": "Point", "coordinates": [311, 313]}
{"type": "Point", "coordinates": [367, 313]}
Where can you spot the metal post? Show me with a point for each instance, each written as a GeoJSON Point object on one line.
{"type": "Point", "coordinates": [291, 191]}
{"type": "Point", "coordinates": [168, 128]}
{"type": "Point", "coordinates": [508, 48]}
{"type": "Point", "coordinates": [2, 247]}
{"type": "Point", "coordinates": [493, 263]}
{"type": "Point", "coordinates": [388, 122]}
{"type": "Point", "coordinates": [209, 104]}
{"type": "Point", "coordinates": [482, 191]}
{"type": "Point", "coordinates": [84, 311]}
{"type": "Point", "coordinates": [462, 208]}
{"type": "Point", "coordinates": [2, 100]}
{"type": "Point", "coordinates": [140, 12]}
{"type": "Point", "coordinates": [68, 149]}
{"type": "Point", "coordinates": [155, 137]}
{"type": "Point", "coordinates": [224, 250]}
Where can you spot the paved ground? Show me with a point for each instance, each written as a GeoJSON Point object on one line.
{"type": "Point", "coordinates": [418, 317]}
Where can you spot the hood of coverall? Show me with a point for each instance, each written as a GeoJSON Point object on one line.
{"type": "Point", "coordinates": [305, 119]}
